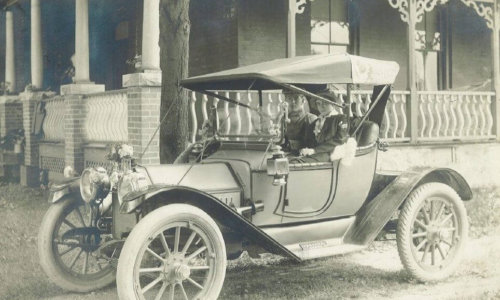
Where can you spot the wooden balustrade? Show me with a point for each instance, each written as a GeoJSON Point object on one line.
{"type": "Point", "coordinates": [232, 119]}
{"type": "Point", "coordinates": [53, 124]}
{"type": "Point", "coordinates": [106, 117]}
{"type": "Point", "coordinates": [451, 115]}
{"type": "Point", "coordinates": [395, 122]}
{"type": "Point", "coordinates": [442, 115]}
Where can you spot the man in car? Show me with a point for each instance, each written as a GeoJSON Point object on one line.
{"type": "Point", "coordinates": [300, 121]}
{"type": "Point", "coordinates": [326, 137]}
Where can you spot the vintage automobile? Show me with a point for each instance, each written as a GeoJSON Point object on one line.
{"type": "Point", "coordinates": [170, 229]}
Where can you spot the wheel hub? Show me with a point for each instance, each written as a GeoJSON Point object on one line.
{"type": "Point", "coordinates": [88, 238]}
{"type": "Point", "coordinates": [433, 233]}
{"type": "Point", "coordinates": [176, 268]}
{"type": "Point", "coordinates": [182, 272]}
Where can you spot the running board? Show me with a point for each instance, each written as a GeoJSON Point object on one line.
{"type": "Point", "coordinates": [322, 248]}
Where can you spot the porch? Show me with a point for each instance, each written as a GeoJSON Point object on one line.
{"type": "Point", "coordinates": [81, 121]}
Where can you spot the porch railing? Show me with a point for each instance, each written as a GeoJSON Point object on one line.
{"type": "Point", "coordinates": [53, 124]}
{"type": "Point", "coordinates": [442, 115]}
{"type": "Point", "coordinates": [395, 123]}
{"type": "Point", "coordinates": [237, 120]}
{"type": "Point", "coordinates": [232, 119]}
{"type": "Point", "coordinates": [453, 115]}
{"type": "Point", "coordinates": [106, 117]}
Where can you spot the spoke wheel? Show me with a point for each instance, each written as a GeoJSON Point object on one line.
{"type": "Point", "coordinates": [432, 232]}
{"type": "Point", "coordinates": [175, 252]}
{"type": "Point", "coordinates": [67, 244]}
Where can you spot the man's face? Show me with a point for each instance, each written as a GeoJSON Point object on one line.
{"type": "Point", "coordinates": [295, 102]}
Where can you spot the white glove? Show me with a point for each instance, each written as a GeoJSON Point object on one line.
{"type": "Point", "coordinates": [306, 151]}
{"type": "Point", "coordinates": [350, 152]}
{"type": "Point", "coordinates": [338, 152]}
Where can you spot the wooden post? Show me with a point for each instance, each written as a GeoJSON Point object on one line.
{"type": "Point", "coordinates": [36, 45]}
{"type": "Point", "coordinates": [412, 15]}
{"type": "Point", "coordinates": [495, 40]}
{"type": "Point", "coordinates": [290, 49]}
{"type": "Point", "coordinates": [82, 73]}
{"type": "Point", "coordinates": [10, 54]}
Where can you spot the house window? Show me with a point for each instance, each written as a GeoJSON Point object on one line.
{"type": "Point", "coordinates": [426, 60]}
{"type": "Point", "coordinates": [429, 57]}
{"type": "Point", "coordinates": [329, 27]}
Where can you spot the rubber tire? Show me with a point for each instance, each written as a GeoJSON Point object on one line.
{"type": "Point", "coordinates": [47, 259]}
{"type": "Point", "coordinates": [150, 224]}
{"type": "Point", "coordinates": [405, 224]}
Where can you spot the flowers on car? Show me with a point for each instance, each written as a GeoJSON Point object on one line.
{"type": "Point", "coordinates": [119, 152]}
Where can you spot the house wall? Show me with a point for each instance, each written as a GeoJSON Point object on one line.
{"type": "Point", "coordinates": [214, 36]}
{"type": "Point", "coordinates": [58, 42]}
{"type": "Point", "coordinates": [460, 157]}
{"type": "Point", "coordinates": [262, 29]}
{"type": "Point", "coordinates": [383, 35]}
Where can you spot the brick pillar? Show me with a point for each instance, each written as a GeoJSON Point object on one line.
{"type": "Point", "coordinates": [143, 119]}
{"type": "Point", "coordinates": [30, 170]}
{"type": "Point", "coordinates": [73, 132]}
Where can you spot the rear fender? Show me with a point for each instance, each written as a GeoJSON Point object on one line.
{"type": "Point", "coordinates": [219, 211]}
{"type": "Point", "coordinates": [373, 215]}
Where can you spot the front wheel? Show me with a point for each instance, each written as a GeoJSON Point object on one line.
{"type": "Point", "coordinates": [67, 245]}
{"type": "Point", "coordinates": [432, 232]}
{"type": "Point", "coordinates": [175, 252]}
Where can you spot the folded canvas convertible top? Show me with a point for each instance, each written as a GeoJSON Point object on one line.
{"type": "Point", "coordinates": [305, 71]}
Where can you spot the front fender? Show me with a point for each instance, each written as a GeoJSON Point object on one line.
{"type": "Point", "coordinates": [373, 215]}
{"type": "Point", "coordinates": [66, 187]}
{"type": "Point", "coordinates": [219, 211]}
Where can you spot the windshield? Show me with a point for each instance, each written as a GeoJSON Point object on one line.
{"type": "Point", "coordinates": [261, 122]}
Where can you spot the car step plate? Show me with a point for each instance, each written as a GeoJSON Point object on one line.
{"type": "Point", "coordinates": [322, 248]}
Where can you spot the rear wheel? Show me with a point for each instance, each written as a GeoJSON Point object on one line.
{"type": "Point", "coordinates": [432, 232]}
{"type": "Point", "coordinates": [175, 252]}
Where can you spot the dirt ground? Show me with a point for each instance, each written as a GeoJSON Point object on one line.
{"type": "Point", "coordinates": [375, 273]}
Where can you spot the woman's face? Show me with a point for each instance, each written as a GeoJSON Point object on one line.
{"type": "Point", "coordinates": [324, 107]}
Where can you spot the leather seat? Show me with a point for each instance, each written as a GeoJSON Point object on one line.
{"type": "Point", "coordinates": [367, 134]}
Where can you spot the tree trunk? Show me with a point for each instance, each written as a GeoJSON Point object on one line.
{"type": "Point", "coordinates": [174, 57]}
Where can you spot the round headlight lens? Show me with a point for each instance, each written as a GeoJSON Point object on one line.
{"type": "Point", "coordinates": [94, 184]}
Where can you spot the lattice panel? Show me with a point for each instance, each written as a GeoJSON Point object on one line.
{"type": "Point", "coordinates": [52, 164]}
{"type": "Point", "coordinates": [93, 164]}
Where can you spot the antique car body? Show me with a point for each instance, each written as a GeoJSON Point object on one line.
{"type": "Point", "coordinates": [302, 211]}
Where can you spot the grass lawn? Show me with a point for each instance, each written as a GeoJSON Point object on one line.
{"type": "Point", "coordinates": [22, 209]}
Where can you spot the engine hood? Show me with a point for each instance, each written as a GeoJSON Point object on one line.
{"type": "Point", "coordinates": [209, 177]}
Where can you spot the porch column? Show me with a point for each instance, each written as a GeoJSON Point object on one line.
{"type": "Point", "coordinates": [149, 74]}
{"type": "Point", "coordinates": [81, 81]}
{"type": "Point", "coordinates": [290, 41]}
{"type": "Point", "coordinates": [151, 35]}
{"type": "Point", "coordinates": [36, 45]}
{"type": "Point", "coordinates": [10, 66]}
{"type": "Point", "coordinates": [82, 42]}
{"type": "Point", "coordinates": [495, 45]}
{"type": "Point", "coordinates": [412, 87]}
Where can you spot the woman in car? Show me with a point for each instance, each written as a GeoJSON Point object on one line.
{"type": "Point", "coordinates": [326, 136]}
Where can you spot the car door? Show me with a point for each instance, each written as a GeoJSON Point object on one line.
{"type": "Point", "coordinates": [309, 191]}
